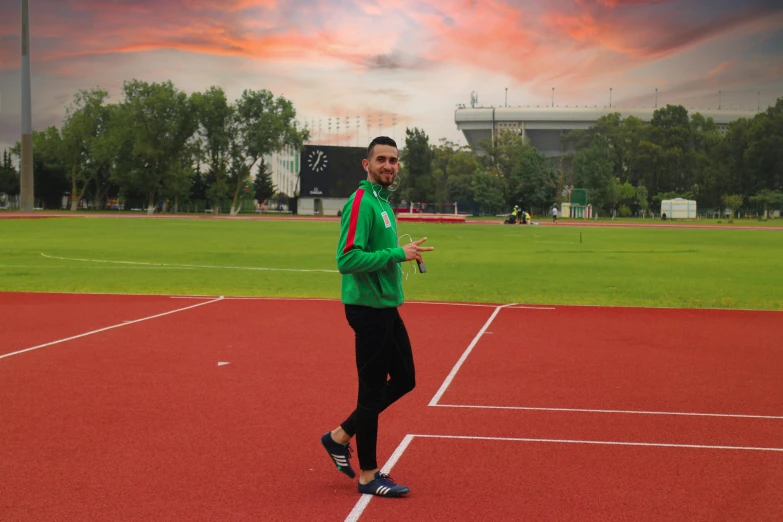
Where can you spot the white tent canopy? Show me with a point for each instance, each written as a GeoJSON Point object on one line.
{"type": "Point", "coordinates": [678, 208]}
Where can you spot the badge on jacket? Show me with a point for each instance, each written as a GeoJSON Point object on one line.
{"type": "Point", "coordinates": [386, 220]}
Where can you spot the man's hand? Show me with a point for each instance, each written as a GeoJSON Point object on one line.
{"type": "Point", "coordinates": [414, 249]}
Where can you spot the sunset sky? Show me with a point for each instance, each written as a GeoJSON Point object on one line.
{"type": "Point", "coordinates": [417, 59]}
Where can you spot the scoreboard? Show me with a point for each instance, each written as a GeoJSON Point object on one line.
{"type": "Point", "coordinates": [330, 171]}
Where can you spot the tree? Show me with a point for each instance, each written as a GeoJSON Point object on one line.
{"type": "Point", "coordinates": [9, 177]}
{"type": "Point", "coordinates": [84, 120]}
{"type": "Point", "coordinates": [455, 164]}
{"type": "Point", "coordinates": [418, 184]}
{"type": "Point", "coordinates": [156, 121]}
{"type": "Point", "coordinates": [532, 182]}
{"type": "Point", "coordinates": [769, 198]}
{"type": "Point", "coordinates": [625, 194]}
{"type": "Point", "coordinates": [216, 129]}
{"type": "Point", "coordinates": [732, 202]}
{"type": "Point", "coordinates": [487, 191]}
{"type": "Point", "coordinates": [593, 171]}
{"type": "Point", "coordinates": [263, 188]}
{"type": "Point", "coordinates": [641, 199]}
{"type": "Point", "coordinates": [502, 154]}
{"type": "Point", "coordinates": [50, 182]}
{"type": "Point", "coordinates": [764, 152]}
{"type": "Point", "coordinates": [263, 125]}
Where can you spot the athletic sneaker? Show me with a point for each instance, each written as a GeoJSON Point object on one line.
{"type": "Point", "coordinates": [383, 486]}
{"type": "Point", "coordinates": [340, 454]}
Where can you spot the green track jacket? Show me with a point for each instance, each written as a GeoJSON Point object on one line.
{"type": "Point", "coordinates": [368, 253]}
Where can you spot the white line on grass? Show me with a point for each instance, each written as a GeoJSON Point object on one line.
{"type": "Point", "coordinates": [167, 265]}
{"type": "Point", "coordinates": [631, 412]}
{"type": "Point", "coordinates": [101, 267]}
{"type": "Point", "coordinates": [126, 323]}
{"type": "Point", "coordinates": [337, 299]}
{"type": "Point", "coordinates": [361, 504]}
{"type": "Point", "coordinates": [600, 442]}
{"type": "Point", "coordinates": [465, 354]}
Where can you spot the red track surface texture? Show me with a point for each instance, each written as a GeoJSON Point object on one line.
{"type": "Point", "coordinates": [558, 414]}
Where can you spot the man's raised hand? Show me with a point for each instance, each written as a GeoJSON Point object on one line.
{"type": "Point", "coordinates": [414, 249]}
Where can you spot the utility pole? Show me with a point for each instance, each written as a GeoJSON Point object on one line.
{"type": "Point", "coordinates": [26, 182]}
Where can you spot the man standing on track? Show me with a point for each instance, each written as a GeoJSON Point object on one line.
{"type": "Point", "coordinates": [368, 257]}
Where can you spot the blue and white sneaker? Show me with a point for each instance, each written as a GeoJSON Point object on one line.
{"type": "Point", "coordinates": [339, 453]}
{"type": "Point", "coordinates": [383, 486]}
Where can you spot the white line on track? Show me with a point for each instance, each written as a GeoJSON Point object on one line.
{"type": "Point", "coordinates": [600, 442]}
{"type": "Point", "coordinates": [361, 504]}
{"type": "Point", "coordinates": [630, 412]}
{"type": "Point", "coordinates": [125, 323]}
{"type": "Point", "coordinates": [465, 354]}
{"type": "Point", "coordinates": [169, 265]}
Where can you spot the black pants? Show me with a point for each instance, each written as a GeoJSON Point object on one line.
{"type": "Point", "coordinates": [383, 350]}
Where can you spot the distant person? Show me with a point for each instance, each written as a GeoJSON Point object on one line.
{"type": "Point", "coordinates": [368, 257]}
{"type": "Point", "coordinates": [554, 214]}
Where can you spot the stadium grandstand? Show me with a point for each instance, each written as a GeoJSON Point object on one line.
{"type": "Point", "coordinates": [545, 126]}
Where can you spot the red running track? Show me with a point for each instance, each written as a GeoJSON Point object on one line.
{"type": "Point", "coordinates": [139, 422]}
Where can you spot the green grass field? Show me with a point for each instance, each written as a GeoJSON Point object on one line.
{"type": "Point", "coordinates": [673, 267]}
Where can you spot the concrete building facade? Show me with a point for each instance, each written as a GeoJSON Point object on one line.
{"type": "Point", "coordinates": [545, 126]}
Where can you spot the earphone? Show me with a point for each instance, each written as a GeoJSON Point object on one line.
{"type": "Point", "coordinates": [367, 170]}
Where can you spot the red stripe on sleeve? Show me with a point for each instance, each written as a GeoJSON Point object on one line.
{"type": "Point", "coordinates": [357, 202]}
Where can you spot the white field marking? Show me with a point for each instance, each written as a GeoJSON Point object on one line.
{"type": "Point", "coordinates": [223, 363]}
{"type": "Point", "coordinates": [601, 442]}
{"type": "Point", "coordinates": [261, 298]}
{"type": "Point", "coordinates": [482, 305]}
{"type": "Point", "coordinates": [101, 267]}
{"type": "Point", "coordinates": [524, 307]}
{"type": "Point", "coordinates": [479, 305]}
{"type": "Point", "coordinates": [167, 265]}
{"type": "Point", "coordinates": [464, 356]}
{"type": "Point", "coordinates": [125, 323]}
{"type": "Point", "coordinates": [630, 412]}
{"type": "Point", "coordinates": [357, 510]}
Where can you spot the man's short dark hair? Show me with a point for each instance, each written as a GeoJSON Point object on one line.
{"type": "Point", "coordinates": [380, 140]}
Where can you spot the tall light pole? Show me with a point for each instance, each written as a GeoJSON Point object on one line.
{"type": "Point", "coordinates": [656, 97]}
{"type": "Point", "coordinates": [26, 188]}
{"type": "Point", "coordinates": [758, 101]}
{"type": "Point", "coordinates": [506, 96]}
{"type": "Point", "coordinates": [610, 97]}
{"type": "Point", "coordinates": [553, 97]}
{"type": "Point", "coordinates": [719, 97]}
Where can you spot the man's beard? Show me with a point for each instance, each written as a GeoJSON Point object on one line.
{"type": "Point", "coordinates": [380, 180]}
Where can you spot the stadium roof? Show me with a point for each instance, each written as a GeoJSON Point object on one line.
{"type": "Point", "coordinates": [582, 114]}
{"type": "Point", "coordinates": [543, 125]}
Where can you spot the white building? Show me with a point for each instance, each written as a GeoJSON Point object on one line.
{"type": "Point", "coordinates": [284, 169]}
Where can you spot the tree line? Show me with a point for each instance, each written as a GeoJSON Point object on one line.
{"type": "Point", "coordinates": [159, 144]}
{"type": "Point", "coordinates": [626, 165]}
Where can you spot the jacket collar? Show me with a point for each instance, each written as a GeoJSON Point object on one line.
{"type": "Point", "coordinates": [369, 186]}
